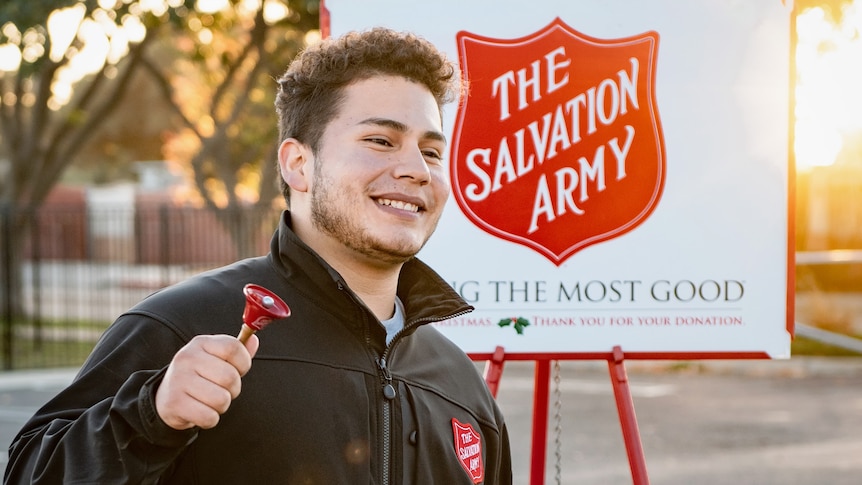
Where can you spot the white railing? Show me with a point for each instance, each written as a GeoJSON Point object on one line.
{"type": "Point", "coordinates": [830, 257]}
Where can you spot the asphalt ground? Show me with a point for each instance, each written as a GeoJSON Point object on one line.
{"type": "Point", "coordinates": [790, 422]}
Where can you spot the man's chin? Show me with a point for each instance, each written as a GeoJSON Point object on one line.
{"type": "Point", "coordinates": [394, 254]}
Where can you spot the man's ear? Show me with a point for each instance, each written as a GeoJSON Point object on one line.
{"type": "Point", "coordinates": [292, 159]}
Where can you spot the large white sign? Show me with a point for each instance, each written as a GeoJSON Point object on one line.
{"type": "Point", "coordinates": [620, 173]}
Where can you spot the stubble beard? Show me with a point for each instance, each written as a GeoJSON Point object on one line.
{"type": "Point", "coordinates": [327, 217]}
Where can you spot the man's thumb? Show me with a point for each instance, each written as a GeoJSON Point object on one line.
{"type": "Point", "coordinates": [252, 345]}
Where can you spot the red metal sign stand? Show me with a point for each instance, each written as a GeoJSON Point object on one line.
{"type": "Point", "coordinates": [541, 398]}
{"type": "Point", "coordinates": [628, 420]}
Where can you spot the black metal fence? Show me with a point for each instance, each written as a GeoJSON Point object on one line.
{"type": "Point", "coordinates": [68, 272]}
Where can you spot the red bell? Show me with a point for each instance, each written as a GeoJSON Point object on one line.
{"type": "Point", "coordinates": [261, 307]}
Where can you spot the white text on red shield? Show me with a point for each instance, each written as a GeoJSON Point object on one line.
{"type": "Point", "coordinates": [557, 131]}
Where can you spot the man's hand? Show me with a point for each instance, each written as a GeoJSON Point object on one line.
{"type": "Point", "coordinates": [203, 379]}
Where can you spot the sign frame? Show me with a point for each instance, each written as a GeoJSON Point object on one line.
{"type": "Point", "coordinates": [767, 294]}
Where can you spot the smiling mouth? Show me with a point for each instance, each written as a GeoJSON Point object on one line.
{"type": "Point", "coordinates": [406, 206]}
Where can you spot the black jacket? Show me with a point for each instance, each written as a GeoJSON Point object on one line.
{"type": "Point", "coordinates": [312, 409]}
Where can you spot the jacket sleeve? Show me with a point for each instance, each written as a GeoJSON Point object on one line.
{"type": "Point", "coordinates": [104, 428]}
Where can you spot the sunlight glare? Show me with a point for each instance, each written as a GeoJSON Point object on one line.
{"type": "Point", "coordinates": [62, 27]}
{"type": "Point", "coordinates": [274, 11]}
{"type": "Point", "coordinates": [205, 36]}
{"type": "Point", "coordinates": [250, 6]}
{"type": "Point", "coordinates": [10, 58]}
{"type": "Point", "coordinates": [134, 28]}
{"type": "Point", "coordinates": [829, 74]}
{"type": "Point", "coordinates": [155, 7]}
{"type": "Point", "coordinates": [94, 53]}
{"type": "Point", "coordinates": [32, 52]}
{"type": "Point", "coordinates": [32, 45]}
{"type": "Point", "coordinates": [119, 46]}
{"type": "Point", "coordinates": [211, 6]}
{"type": "Point", "coordinates": [11, 32]}
{"type": "Point", "coordinates": [61, 92]}
{"type": "Point", "coordinates": [313, 37]}
{"type": "Point", "coordinates": [816, 145]}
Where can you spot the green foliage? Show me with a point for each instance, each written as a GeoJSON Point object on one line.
{"type": "Point", "coordinates": [30, 355]}
{"type": "Point", "coordinates": [230, 56]}
{"type": "Point", "coordinates": [519, 323]}
{"type": "Point", "coordinates": [52, 343]}
{"type": "Point", "coordinates": [231, 69]}
{"type": "Point", "coordinates": [26, 14]}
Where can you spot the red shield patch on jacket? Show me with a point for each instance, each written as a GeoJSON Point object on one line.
{"type": "Point", "coordinates": [468, 448]}
{"type": "Point", "coordinates": [559, 144]}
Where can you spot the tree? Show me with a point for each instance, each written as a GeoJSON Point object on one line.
{"type": "Point", "coordinates": [229, 130]}
{"type": "Point", "coordinates": [53, 99]}
{"type": "Point", "coordinates": [52, 103]}
{"type": "Point", "coordinates": [42, 126]}
{"type": "Point", "coordinates": [65, 66]}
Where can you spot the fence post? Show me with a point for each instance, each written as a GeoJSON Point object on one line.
{"type": "Point", "coordinates": [6, 243]}
{"type": "Point", "coordinates": [36, 276]}
{"type": "Point", "coordinates": [165, 244]}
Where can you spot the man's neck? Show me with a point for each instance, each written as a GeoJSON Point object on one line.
{"type": "Point", "coordinates": [374, 286]}
{"type": "Point", "coordinates": [374, 282]}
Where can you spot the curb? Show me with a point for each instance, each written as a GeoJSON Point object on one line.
{"type": "Point", "coordinates": [37, 379]}
{"type": "Point", "coordinates": [795, 367]}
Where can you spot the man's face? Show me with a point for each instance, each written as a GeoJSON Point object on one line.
{"type": "Point", "coordinates": [378, 181]}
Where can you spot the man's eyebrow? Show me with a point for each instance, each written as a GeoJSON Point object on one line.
{"type": "Point", "coordinates": [402, 128]}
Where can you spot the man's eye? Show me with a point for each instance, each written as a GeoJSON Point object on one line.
{"type": "Point", "coordinates": [433, 154]}
{"type": "Point", "coordinates": [379, 141]}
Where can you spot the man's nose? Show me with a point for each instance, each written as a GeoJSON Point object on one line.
{"type": "Point", "coordinates": [412, 164]}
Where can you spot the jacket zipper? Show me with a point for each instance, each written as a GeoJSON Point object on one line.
{"type": "Point", "coordinates": [388, 389]}
{"type": "Point", "coordinates": [388, 397]}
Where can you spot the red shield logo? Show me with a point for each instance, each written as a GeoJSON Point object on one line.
{"type": "Point", "coordinates": [559, 144]}
{"type": "Point", "coordinates": [468, 448]}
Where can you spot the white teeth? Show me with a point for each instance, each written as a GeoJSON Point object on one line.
{"type": "Point", "coordinates": [399, 204]}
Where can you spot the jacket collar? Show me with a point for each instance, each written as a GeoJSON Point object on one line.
{"type": "Point", "coordinates": [426, 296]}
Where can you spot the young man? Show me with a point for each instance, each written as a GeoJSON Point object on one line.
{"type": "Point", "coordinates": [355, 387]}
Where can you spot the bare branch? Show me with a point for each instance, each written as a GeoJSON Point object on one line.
{"type": "Point", "coordinates": [39, 111]}
{"type": "Point", "coordinates": [256, 38]}
{"type": "Point", "coordinates": [71, 137]}
{"type": "Point", "coordinates": [167, 93]}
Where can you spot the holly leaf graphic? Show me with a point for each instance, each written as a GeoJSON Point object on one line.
{"type": "Point", "coordinates": [518, 322]}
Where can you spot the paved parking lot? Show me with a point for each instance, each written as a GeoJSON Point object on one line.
{"type": "Point", "coordinates": [728, 423]}
{"type": "Point", "coordinates": [796, 422]}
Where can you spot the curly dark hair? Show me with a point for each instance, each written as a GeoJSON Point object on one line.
{"type": "Point", "coordinates": [312, 89]}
